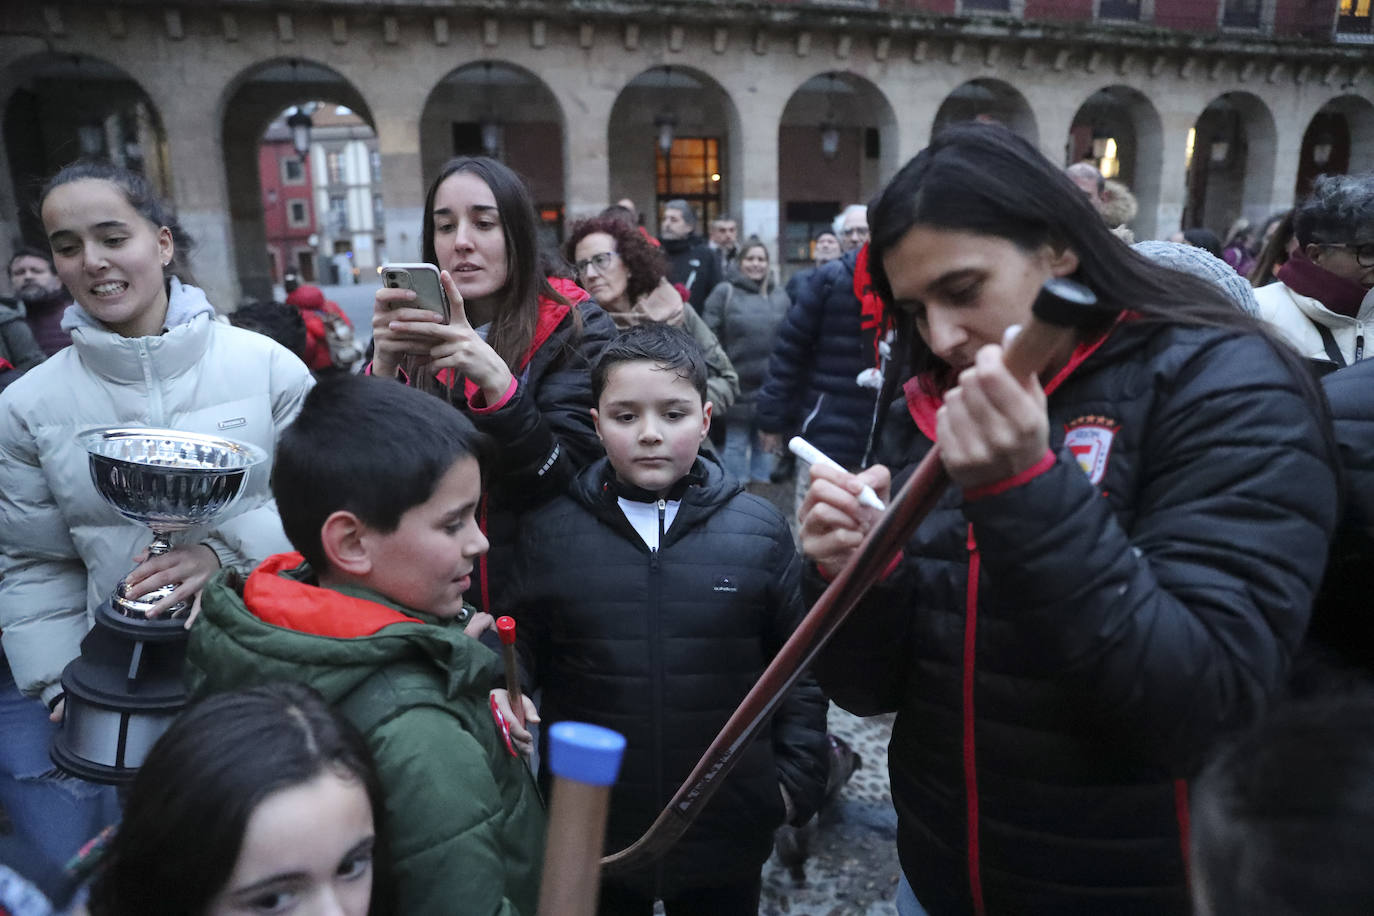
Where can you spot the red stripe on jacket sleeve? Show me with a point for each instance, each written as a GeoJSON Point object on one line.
{"type": "Point", "coordinates": [992, 489]}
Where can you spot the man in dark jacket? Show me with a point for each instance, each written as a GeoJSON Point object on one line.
{"type": "Point", "coordinates": [691, 261]}
{"type": "Point", "coordinates": [823, 344]}
{"type": "Point", "coordinates": [651, 598]}
{"type": "Point", "coordinates": [42, 295]}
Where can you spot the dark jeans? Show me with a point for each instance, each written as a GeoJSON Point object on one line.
{"type": "Point", "coordinates": [733, 900]}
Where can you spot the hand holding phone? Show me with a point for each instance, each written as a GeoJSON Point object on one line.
{"type": "Point", "coordinates": [424, 280]}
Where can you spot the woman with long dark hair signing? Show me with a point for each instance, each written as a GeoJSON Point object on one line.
{"type": "Point", "coordinates": [1119, 576]}
{"type": "Point", "coordinates": [516, 354]}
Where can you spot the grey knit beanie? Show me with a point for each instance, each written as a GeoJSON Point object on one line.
{"type": "Point", "coordinates": [1189, 260]}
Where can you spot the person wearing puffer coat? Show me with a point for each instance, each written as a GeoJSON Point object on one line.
{"type": "Point", "coordinates": [146, 352]}
{"type": "Point", "coordinates": [744, 313]}
{"type": "Point", "coordinates": [18, 350]}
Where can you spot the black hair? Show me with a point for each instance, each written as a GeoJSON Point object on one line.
{"type": "Point", "coordinates": [1282, 819]}
{"type": "Point", "coordinates": [190, 803]}
{"type": "Point", "coordinates": [283, 323]}
{"type": "Point", "coordinates": [141, 195]}
{"type": "Point", "coordinates": [517, 309]}
{"type": "Point", "coordinates": [663, 345]}
{"type": "Point", "coordinates": [323, 465]}
{"type": "Point", "coordinates": [29, 251]}
{"type": "Point", "coordinates": [983, 179]}
{"type": "Point", "coordinates": [1205, 239]}
{"type": "Point", "coordinates": [1273, 252]}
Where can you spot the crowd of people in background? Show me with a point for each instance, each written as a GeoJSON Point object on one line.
{"type": "Point", "coordinates": [1123, 650]}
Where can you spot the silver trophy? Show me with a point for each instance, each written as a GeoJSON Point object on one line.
{"type": "Point", "coordinates": [169, 481]}
{"type": "Point", "coordinates": [126, 687]}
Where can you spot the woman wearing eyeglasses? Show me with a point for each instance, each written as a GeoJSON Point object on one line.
{"type": "Point", "coordinates": [628, 277]}
{"type": "Point", "coordinates": [1322, 302]}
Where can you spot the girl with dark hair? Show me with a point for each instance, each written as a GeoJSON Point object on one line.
{"type": "Point", "coordinates": [516, 353]}
{"type": "Point", "coordinates": [146, 350]}
{"type": "Point", "coordinates": [628, 277]}
{"type": "Point", "coordinates": [259, 801]}
{"type": "Point", "coordinates": [1119, 575]}
{"type": "Point", "coordinates": [744, 312]}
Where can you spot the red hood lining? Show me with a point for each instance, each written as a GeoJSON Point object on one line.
{"type": "Point", "coordinates": [282, 601]}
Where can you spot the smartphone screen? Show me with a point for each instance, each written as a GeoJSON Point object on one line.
{"type": "Point", "coordinates": [424, 280]}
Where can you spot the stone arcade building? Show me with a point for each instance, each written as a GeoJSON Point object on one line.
{"type": "Point", "coordinates": [773, 111]}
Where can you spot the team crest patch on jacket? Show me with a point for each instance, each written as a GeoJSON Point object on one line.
{"type": "Point", "coordinates": [1090, 441]}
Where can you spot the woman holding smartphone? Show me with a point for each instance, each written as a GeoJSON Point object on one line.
{"type": "Point", "coordinates": [515, 354]}
{"type": "Point", "coordinates": [1121, 573]}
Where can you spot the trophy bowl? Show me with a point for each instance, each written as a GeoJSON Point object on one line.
{"type": "Point", "coordinates": [166, 480]}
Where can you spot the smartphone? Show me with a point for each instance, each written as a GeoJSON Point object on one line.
{"type": "Point", "coordinates": [424, 279]}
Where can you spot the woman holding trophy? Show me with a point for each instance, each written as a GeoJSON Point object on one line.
{"type": "Point", "coordinates": [146, 351]}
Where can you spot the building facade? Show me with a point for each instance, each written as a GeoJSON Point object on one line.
{"type": "Point", "coordinates": [288, 212]}
{"type": "Point", "coordinates": [774, 112]}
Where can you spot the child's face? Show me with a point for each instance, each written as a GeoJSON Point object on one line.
{"type": "Point", "coordinates": [306, 849]}
{"type": "Point", "coordinates": [426, 563]}
{"type": "Point", "coordinates": [651, 421]}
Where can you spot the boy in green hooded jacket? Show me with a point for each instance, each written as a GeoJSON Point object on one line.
{"type": "Point", "coordinates": [378, 486]}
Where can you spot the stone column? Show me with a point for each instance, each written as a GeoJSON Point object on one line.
{"type": "Point", "coordinates": [1173, 173]}
{"type": "Point", "coordinates": [586, 164]}
{"type": "Point", "coordinates": [201, 195]}
{"type": "Point", "coordinates": [759, 99]}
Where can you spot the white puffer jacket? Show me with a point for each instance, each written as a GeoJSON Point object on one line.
{"type": "Point", "coordinates": [1297, 318]}
{"type": "Point", "coordinates": [63, 549]}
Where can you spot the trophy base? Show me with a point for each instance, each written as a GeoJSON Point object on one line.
{"type": "Point", "coordinates": [138, 608]}
{"type": "Point", "coordinates": [123, 692]}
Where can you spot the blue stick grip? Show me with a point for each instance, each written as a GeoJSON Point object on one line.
{"type": "Point", "coordinates": [585, 753]}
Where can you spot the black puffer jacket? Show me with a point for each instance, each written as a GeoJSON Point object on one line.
{"type": "Point", "coordinates": [662, 647]}
{"type": "Point", "coordinates": [745, 318]}
{"type": "Point", "coordinates": [693, 263]}
{"type": "Point", "coordinates": [1063, 652]}
{"type": "Point", "coordinates": [1342, 631]}
{"type": "Point", "coordinates": [818, 354]}
{"type": "Point", "coordinates": [544, 433]}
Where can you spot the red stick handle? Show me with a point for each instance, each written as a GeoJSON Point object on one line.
{"type": "Point", "coordinates": [505, 628]}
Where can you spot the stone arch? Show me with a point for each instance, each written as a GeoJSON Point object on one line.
{"type": "Point", "coordinates": [497, 108]}
{"type": "Point", "coordinates": [837, 145]}
{"type": "Point", "coordinates": [1231, 163]}
{"type": "Point", "coordinates": [1119, 130]}
{"type": "Point", "coordinates": [1338, 140]}
{"type": "Point", "coordinates": [691, 106]}
{"type": "Point", "coordinates": [985, 99]}
{"type": "Point", "coordinates": [256, 97]}
{"type": "Point", "coordinates": [59, 108]}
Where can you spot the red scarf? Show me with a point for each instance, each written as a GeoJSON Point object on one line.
{"type": "Point", "coordinates": [872, 316]}
{"type": "Point", "coordinates": [1306, 278]}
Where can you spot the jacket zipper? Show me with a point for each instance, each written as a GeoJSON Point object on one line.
{"type": "Point", "coordinates": [1359, 341]}
{"type": "Point", "coordinates": [656, 666]}
{"type": "Point", "coordinates": [975, 880]}
{"type": "Point", "coordinates": [145, 361]}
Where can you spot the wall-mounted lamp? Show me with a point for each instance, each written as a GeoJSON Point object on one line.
{"type": "Point", "coordinates": [666, 123]}
{"type": "Point", "coordinates": [300, 124]}
{"type": "Point", "coordinates": [1322, 148]}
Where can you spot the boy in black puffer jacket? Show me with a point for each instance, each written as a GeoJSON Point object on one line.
{"type": "Point", "coordinates": [650, 600]}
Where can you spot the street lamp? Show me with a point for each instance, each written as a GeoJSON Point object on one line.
{"type": "Point", "coordinates": [1321, 149]}
{"type": "Point", "coordinates": [300, 124]}
{"type": "Point", "coordinates": [830, 134]}
{"type": "Point", "coordinates": [666, 124]}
